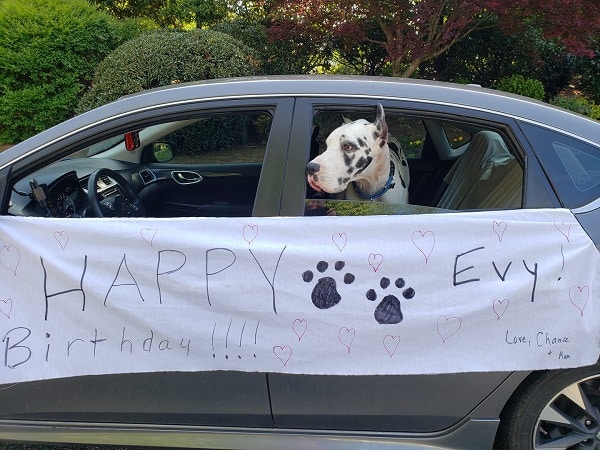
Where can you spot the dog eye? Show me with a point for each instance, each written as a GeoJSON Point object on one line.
{"type": "Point", "coordinates": [347, 147]}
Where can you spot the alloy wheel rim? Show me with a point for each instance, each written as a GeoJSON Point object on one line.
{"type": "Point", "coordinates": [571, 419]}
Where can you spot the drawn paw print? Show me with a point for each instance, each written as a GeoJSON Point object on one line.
{"type": "Point", "coordinates": [324, 294]}
{"type": "Point", "coordinates": [389, 311]}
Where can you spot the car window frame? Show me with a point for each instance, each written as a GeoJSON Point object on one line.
{"type": "Point", "coordinates": [305, 108]}
{"type": "Point", "coordinates": [268, 200]}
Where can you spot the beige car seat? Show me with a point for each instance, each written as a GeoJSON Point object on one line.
{"type": "Point", "coordinates": [486, 176]}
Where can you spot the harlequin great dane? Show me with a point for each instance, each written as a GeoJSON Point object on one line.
{"type": "Point", "coordinates": [358, 164]}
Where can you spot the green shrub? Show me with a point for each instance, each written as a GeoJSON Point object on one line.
{"type": "Point", "coordinates": [48, 50]}
{"type": "Point", "coordinates": [518, 84]}
{"type": "Point", "coordinates": [165, 57]}
{"type": "Point", "coordinates": [589, 69]}
{"type": "Point", "coordinates": [272, 57]}
{"type": "Point", "coordinates": [580, 105]}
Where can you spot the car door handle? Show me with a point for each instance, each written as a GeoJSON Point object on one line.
{"type": "Point", "coordinates": [186, 177]}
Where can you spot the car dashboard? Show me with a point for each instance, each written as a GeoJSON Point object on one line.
{"type": "Point", "coordinates": [63, 190]}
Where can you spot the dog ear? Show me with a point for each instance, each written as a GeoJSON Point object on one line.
{"type": "Point", "coordinates": [381, 125]}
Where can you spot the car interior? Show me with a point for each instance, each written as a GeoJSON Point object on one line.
{"type": "Point", "coordinates": [453, 166]}
{"type": "Point", "coordinates": [192, 168]}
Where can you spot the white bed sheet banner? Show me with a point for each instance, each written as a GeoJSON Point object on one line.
{"type": "Point", "coordinates": [420, 294]}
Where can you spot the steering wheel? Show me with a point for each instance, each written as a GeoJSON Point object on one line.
{"type": "Point", "coordinates": [123, 203]}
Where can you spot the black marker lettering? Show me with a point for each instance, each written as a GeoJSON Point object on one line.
{"type": "Point", "coordinates": [534, 273]}
{"type": "Point", "coordinates": [221, 267]}
{"type": "Point", "coordinates": [79, 289]}
{"type": "Point", "coordinates": [10, 348]}
{"type": "Point", "coordinates": [457, 283]}
{"type": "Point", "coordinates": [70, 343]}
{"type": "Point", "coordinates": [95, 341]}
{"type": "Point", "coordinates": [126, 341]}
{"type": "Point", "coordinates": [160, 271]}
{"type": "Point", "coordinates": [114, 283]}
{"type": "Point", "coordinates": [272, 281]}
{"type": "Point", "coordinates": [503, 276]}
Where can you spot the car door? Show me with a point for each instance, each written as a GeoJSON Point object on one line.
{"type": "Point", "coordinates": [215, 169]}
{"type": "Point", "coordinates": [390, 403]}
{"type": "Point", "coordinates": [238, 185]}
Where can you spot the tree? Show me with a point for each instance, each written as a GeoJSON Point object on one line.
{"type": "Point", "coordinates": [48, 51]}
{"type": "Point", "coordinates": [487, 56]}
{"type": "Point", "coordinates": [574, 24]}
{"type": "Point", "coordinates": [415, 31]}
{"type": "Point", "coordinates": [410, 31]}
{"type": "Point", "coordinates": [168, 13]}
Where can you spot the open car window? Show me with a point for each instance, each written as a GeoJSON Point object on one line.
{"type": "Point", "coordinates": [451, 167]}
{"type": "Point", "coordinates": [202, 166]}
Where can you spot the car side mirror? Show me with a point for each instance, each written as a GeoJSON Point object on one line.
{"type": "Point", "coordinates": [162, 151]}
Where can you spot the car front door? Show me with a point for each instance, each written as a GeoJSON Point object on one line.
{"type": "Point", "coordinates": [246, 181]}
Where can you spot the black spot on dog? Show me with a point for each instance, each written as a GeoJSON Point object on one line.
{"type": "Point", "coordinates": [361, 143]}
{"type": "Point", "coordinates": [348, 158]}
{"type": "Point", "coordinates": [325, 295]}
{"type": "Point", "coordinates": [342, 181]}
{"type": "Point", "coordinates": [363, 162]}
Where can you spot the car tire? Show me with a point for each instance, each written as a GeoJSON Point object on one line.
{"type": "Point", "coordinates": [553, 409]}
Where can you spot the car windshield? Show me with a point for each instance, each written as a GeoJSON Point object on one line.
{"type": "Point", "coordinates": [97, 148]}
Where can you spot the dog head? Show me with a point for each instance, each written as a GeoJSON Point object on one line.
{"type": "Point", "coordinates": [352, 149]}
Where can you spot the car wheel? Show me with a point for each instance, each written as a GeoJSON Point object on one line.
{"type": "Point", "coordinates": [557, 409]}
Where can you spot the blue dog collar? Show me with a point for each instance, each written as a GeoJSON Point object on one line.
{"type": "Point", "coordinates": [388, 185]}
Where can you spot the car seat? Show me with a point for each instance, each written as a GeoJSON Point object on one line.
{"type": "Point", "coordinates": [486, 176]}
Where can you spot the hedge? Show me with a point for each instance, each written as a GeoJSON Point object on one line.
{"type": "Point", "coordinates": [165, 57]}
{"type": "Point", "coordinates": [518, 84]}
{"type": "Point", "coordinates": [48, 51]}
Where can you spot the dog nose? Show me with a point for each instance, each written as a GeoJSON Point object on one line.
{"type": "Point", "coordinates": [312, 168]}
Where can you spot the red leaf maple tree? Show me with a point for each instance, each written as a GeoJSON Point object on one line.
{"type": "Point", "coordinates": [415, 31]}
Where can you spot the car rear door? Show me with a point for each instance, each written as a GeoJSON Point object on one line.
{"type": "Point", "coordinates": [412, 403]}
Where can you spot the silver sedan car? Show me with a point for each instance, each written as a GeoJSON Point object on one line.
{"type": "Point", "coordinates": [243, 148]}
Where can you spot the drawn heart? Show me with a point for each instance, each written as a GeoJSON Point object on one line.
{"type": "Point", "coordinates": [299, 326]}
{"type": "Point", "coordinates": [499, 229]}
{"type": "Point", "coordinates": [391, 344]}
{"type": "Point", "coordinates": [375, 260]}
{"type": "Point", "coordinates": [10, 257]}
{"type": "Point", "coordinates": [425, 242]}
{"type": "Point", "coordinates": [148, 235]}
{"type": "Point", "coordinates": [283, 353]}
{"type": "Point", "coordinates": [579, 297]}
{"type": "Point", "coordinates": [346, 337]}
{"type": "Point", "coordinates": [564, 229]}
{"type": "Point", "coordinates": [339, 239]}
{"type": "Point", "coordinates": [62, 237]}
{"type": "Point", "coordinates": [250, 232]}
{"type": "Point", "coordinates": [448, 326]}
{"type": "Point", "coordinates": [499, 307]}
{"type": "Point", "coordinates": [6, 307]}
